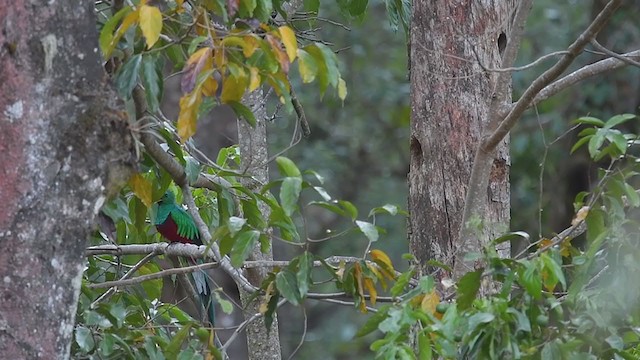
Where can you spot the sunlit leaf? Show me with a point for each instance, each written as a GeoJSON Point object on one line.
{"type": "Point", "coordinates": [189, 105]}
{"type": "Point", "coordinates": [150, 24]}
{"type": "Point", "coordinates": [254, 79]}
{"type": "Point", "coordinates": [342, 89]}
{"type": "Point", "coordinates": [287, 167]}
{"type": "Point", "coordinates": [371, 289]}
{"type": "Point", "coordinates": [368, 229]}
{"type": "Point", "coordinates": [307, 66]}
{"type": "Point", "coordinates": [129, 20]}
{"type": "Point", "coordinates": [233, 88]}
{"type": "Point", "coordinates": [289, 41]}
{"type": "Point", "coordinates": [429, 302]}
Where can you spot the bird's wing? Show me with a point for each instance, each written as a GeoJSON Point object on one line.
{"type": "Point", "coordinates": [186, 226]}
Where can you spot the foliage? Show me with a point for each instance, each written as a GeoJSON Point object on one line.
{"type": "Point", "coordinates": [556, 300]}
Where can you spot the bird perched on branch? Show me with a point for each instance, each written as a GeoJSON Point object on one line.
{"type": "Point", "coordinates": [176, 225]}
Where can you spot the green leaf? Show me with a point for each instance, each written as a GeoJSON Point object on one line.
{"type": "Point", "coordinates": [595, 143]}
{"type": "Point", "coordinates": [127, 77]}
{"type": "Point", "coordinates": [153, 288]}
{"type": "Point", "coordinates": [511, 236]}
{"type": "Point", "coordinates": [225, 305]}
{"type": "Point", "coordinates": [358, 7]}
{"type": "Point", "coordinates": [617, 120]}
{"type": "Point", "coordinates": [477, 319]}
{"type": "Point", "coordinates": [287, 167]}
{"type": "Point", "coordinates": [192, 169]}
{"type": "Point", "coordinates": [521, 319]}
{"type": "Point", "coordinates": [236, 224]}
{"type": "Point", "coordinates": [243, 112]}
{"type": "Point", "coordinates": [307, 66]}
{"type": "Point", "coordinates": [173, 348]}
{"type": "Point", "coordinates": [373, 321]}
{"type": "Point", "coordinates": [152, 81]}
{"type": "Point", "coordinates": [84, 339]}
{"type": "Point", "coordinates": [368, 229]}
{"type": "Point", "coordinates": [386, 209]}
{"type": "Point", "coordinates": [531, 280]}
{"type": "Point", "coordinates": [289, 194]}
{"type": "Point", "coordinates": [331, 207]}
{"type": "Point", "coordinates": [579, 143]}
{"type": "Point", "coordinates": [304, 272]}
{"type": "Point", "coordinates": [401, 283]}
{"type": "Point", "coordinates": [632, 195]}
{"type": "Point", "coordinates": [106, 34]}
{"type": "Point", "coordinates": [349, 208]}
{"type": "Point", "coordinates": [615, 342]}
{"type": "Point", "coordinates": [588, 120]}
{"type": "Point", "coordinates": [312, 5]}
{"type": "Point", "coordinates": [243, 246]}
{"type": "Point", "coordinates": [288, 286]}
{"type": "Point", "coordinates": [424, 346]}
{"type": "Point", "coordinates": [554, 272]}
{"type": "Point", "coordinates": [468, 287]}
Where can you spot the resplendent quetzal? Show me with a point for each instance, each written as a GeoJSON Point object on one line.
{"type": "Point", "coordinates": [177, 225]}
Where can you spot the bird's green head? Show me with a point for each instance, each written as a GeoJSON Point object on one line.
{"type": "Point", "coordinates": [168, 198]}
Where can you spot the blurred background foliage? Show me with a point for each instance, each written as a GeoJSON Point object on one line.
{"type": "Point", "coordinates": [360, 146]}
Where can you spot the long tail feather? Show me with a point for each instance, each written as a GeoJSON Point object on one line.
{"type": "Point", "coordinates": [202, 286]}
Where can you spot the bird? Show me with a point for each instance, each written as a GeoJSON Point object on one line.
{"type": "Point", "coordinates": [176, 225]}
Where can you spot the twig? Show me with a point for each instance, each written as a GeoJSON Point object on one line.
{"type": "Point", "coordinates": [159, 274]}
{"type": "Point", "coordinates": [597, 45]}
{"type": "Point", "coordinates": [550, 75]}
{"type": "Point", "coordinates": [128, 274]}
{"type": "Point", "coordinates": [244, 324]}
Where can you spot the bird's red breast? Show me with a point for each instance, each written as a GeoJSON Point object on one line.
{"type": "Point", "coordinates": [169, 229]}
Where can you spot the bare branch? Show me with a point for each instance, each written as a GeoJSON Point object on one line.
{"type": "Point", "coordinates": [158, 275]}
{"type": "Point", "coordinates": [583, 73]}
{"type": "Point", "coordinates": [129, 273]}
{"type": "Point", "coordinates": [613, 54]}
{"type": "Point", "coordinates": [548, 76]}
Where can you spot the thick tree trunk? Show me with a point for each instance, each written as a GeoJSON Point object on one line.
{"type": "Point", "coordinates": [60, 134]}
{"type": "Point", "coordinates": [450, 100]}
{"type": "Point", "coordinates": [261, 344]}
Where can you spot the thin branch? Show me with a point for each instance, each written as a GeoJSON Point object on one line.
{"type": "Point", "coordinates": [550, 75]}
{"type": "Point", "coordinates": [523, 67]}
{"type": "Point", "coordinates": [613, 54]}
{"type": "Point", "coordinates": [244, 325]}
{"type": "Point", "coordinates": [127, 275]}
{"type": "Point", "coordinates": [158, 275]}
{"type": "Point", "coordinates": [583, 73]}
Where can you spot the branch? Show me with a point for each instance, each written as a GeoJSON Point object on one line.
{"type": "Point", "coordinates": [159, 274]}
{"type": "Point", "coordinates": [548, 76]}
{"type": "Point", "coordinates": [129, 273]}
{"type": "Point", "coordinates": [613, 54]}
{"type": "Point", "coordinates": [583, 73]}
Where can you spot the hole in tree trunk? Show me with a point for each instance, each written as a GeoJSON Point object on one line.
{"type": "Point", "coordinates": [416, 152]}
{"type": "Point", "coordinates": [502, 42]}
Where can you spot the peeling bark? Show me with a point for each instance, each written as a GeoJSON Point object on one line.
{"type": "Point", "coordinates": [62, 136]}
{"type": "Point", "coordinates": [450, 100]}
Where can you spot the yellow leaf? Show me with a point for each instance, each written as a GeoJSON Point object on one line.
{"type": "Point", "coordinates": [254, 81]}
{"type": "Point", "coordinates": [289, 40]}
{"type": "Point", "coordinates": [565, 247]}
{"type": "Point", "coordinates": [179, 8]}
{"type": "Point", "coordinates": [129, 20]}
{"type": "Point", "coordinates": [250, 46]}
{"type": "Point", "coordinates": [150, 24]}
{"type": "Point", "coordinates": [581, 215]}
{"type": "Point", "coordinates": [357, 275]}
{"type": "Point", "coordinates": [281, 56]}
{"type": "Point", "coordinates": [544, 242]}
{"type": "Point", "coordinates": [341, 269]}
{"type": "Point", "coordinates": [189, 105]}
{"type": "Point", "coordinates": [233, 88]}
{"type": "Point", "coordinates": [342, 89]}
{"type": "Point", "coordinates": [374, 269]}
{"type": "Point", "coordinates": [371, 288]}
{"type": "Point", "coordinates": [209, 87]}
{"type": "Point", "coordinates": [382, 259]}
{"type": "Point", "coordinates": [429, 302]}
{"type": "Point", "coordinates": [195, 57]}
{"type": "Point", "coordinates": [141, 187]}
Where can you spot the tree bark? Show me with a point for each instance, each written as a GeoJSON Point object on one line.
{"type": "Point", "coordinates": [61, 138]}
{"type": "Point", "coordinates": [450, 99]}
{"type": "Point", "coordinates": [261, 344]}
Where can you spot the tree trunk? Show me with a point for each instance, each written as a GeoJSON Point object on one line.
{"type": "Point", "coordinates": [450, 100]}
{"type": "Point", "coordinates": [261, 344]}
{"type": "Point", "coordinates": [60, 135]}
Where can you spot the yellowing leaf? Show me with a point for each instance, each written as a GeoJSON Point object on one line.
{"type": "Point", "coordinates": [209, 87]}
{"type": "Point", "coordinates": [281, 56]}
{"type": "Point", "coordinates": [141, 187]}
{"type": "Point", "coordinates": [382, 259]}
{"type": "Point", "coordinates": [129, 20]}
{"type": "Point", "coordinates": [189, 105]}
{"type": "Point", "coordinates": [565, 247]}
{"type": "Point", "coordinates": [150, 24]}
{"type": "Point", "coordinates": [254, 77]}
{"type": "Point", "coordinates": [544, 242]}
{"type": "Point", "coordinates": [307, 66]}
{"type": "Point", "coordinates": [429, 302]}
{"type": "Point", "coordinates": [289, 40]}
{"type": "Point", "coordinates": [250, 46]}
{"type": "Point", "coordinates": [198, 62]}
{"type": "Point", "coordinates": [233, 88]}
{"type": "Point", "coordinates": [371, 288]}
{"type": "Point", "coordinates": [581, 215]}
{"type": "Point", "coordinates": [342, 89]}
{"type": "Point", "coordinates": [375, 270]}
